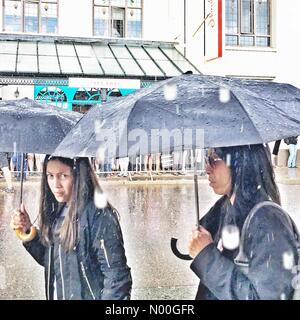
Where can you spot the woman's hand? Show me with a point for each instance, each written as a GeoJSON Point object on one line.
{"type": "Point", "coordinates": [199, 240]}
{"type": "Point", "coordinates": [20, 220]}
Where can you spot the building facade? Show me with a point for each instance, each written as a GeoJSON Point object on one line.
{"type": "Point", "coordinates": [241, 38]}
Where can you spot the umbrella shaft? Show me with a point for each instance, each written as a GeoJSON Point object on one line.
{"type": "Point", "coordinates": [196, 199]}
{"type": "Point", "coordinates": [196, 189]}
{"type": "Point", "coordinates": [22, 178]}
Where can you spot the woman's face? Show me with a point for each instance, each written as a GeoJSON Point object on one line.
{"type": "Point", "coordinates": [219, 174]}
{"type": "Point", "coordinates": [60, 180]}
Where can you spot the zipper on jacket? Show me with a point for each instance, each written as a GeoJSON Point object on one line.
{"type": "Point", "coordinates": [87, 280]}
{"type": "Point", "coordinates": [49, 269]}
{"type": "Point", "coordinates": [61, 272]}
{"type": "Point", "coordinates": [102, 245]}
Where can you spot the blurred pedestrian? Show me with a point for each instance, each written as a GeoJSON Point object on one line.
{"type": "Point", "coordinates": [275, 152]}
{"type": "Point", "coordinates": [157, 161]}
{"type": "Point", "coordinates": [30, 163]}
{"type": "Point", "coordinates": [292, 144]}
{"type": "Point", "coordinates": [148, 163]}
{"type": "Point", "coordinates": [16, 162]}
{"type": "Point", "coordinates": [39, 160]}
{"type": "Point", "coordinates": [4, 165]}
{"type": "Point", "coordinates": [124, 163]}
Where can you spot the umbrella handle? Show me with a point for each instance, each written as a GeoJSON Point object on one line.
{"type": "Point", "coordinates": [176, 251]}
{"type": "Point", "coordinates": [26, 236]}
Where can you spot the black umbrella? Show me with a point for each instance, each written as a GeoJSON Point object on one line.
{"type": "Point", "coordinates": [229, 111]}
{"type": "Point", "coordinates": [196, 110]}
{"type": "Point", "coordinates": [30, 127]}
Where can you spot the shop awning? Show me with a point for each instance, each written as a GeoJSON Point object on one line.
{"type": "Point", "coordinates": [35, 57]}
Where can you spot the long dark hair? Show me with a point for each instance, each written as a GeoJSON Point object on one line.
{"type": "Point", "coordinates": [252, 175]}
{"type": "Point", "coordinates": [84, 186]}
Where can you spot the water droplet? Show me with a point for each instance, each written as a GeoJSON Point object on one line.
{"type": "Point", "coordinates": [283, 296]}
{"type": "Point", "coordinates": [230, 237]}
{"type": "Point", "coordinates": [170, 92]}
{"type": "Point", "coordinates": [288, 260]}
{"type": "Point", "coordinates": [228, 160]}
{"type": "Point", "coordinates": [100, 154]}
{"type": "Point", "coordinates": [100, 199]}
{"type": "Point", "coordinates": [224, 94]}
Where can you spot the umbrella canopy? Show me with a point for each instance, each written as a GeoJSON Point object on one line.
{"type": "Point", "coordinates": [220, 112]}
{"type": "Point", "coordinates": [187, 112]}
{"type": "Point", "coordinates": [27, 126]}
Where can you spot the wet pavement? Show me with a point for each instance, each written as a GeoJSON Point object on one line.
{"type": "Point", "coordinates": [151, 213]}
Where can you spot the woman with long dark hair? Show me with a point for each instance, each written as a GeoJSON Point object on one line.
{"type": "Point", "coordinates": [79, 241]}
{"type": "Point", "coordinates": [248, 222]}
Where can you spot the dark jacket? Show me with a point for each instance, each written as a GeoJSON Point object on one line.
{"type": "Point", "coordinates": [291, 140]}
{"type": "Point", "coordinates": [101, 262]}
{"type": "Point", "coordinates": [270, 237]}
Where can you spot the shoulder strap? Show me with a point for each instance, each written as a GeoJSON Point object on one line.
{"type": "Point", "coordinates": [241, 258]}
{"type": "Point", "coordinates": [273, 204]}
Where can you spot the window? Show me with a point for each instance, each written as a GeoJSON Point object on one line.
{"type": "Point", "coordinates": [118, 18]}
{"type": "Point", "coordinates": [248, 23]}
{"type": "Point", "coordinates": [32, 16]}
{"type": "Point", "coordinates": [118, 22]}
{"type": "Point", "coordinates": [13, 16]}
{"type": "Point", "coordinates": [49, 15]}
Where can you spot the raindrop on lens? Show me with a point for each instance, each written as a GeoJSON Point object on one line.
{"type": "Point", "coordinates": [228, 159]}
{"type": "Point", "coordinates": [230, 237]}
{"type": "Point", "coordinates": [100, 199]}
{"type": "Point", "coordinates": [100, 154]}
{"type": "Point", "coordinates": [288, 260]}
{"type": "Point", "coordinates": [15, 147]}
{"type": "Point", "coordinates": [170, 92]}
{"type": "Point", "coordinates": [224, 95]}
{"type": "Point", "coordinates": [283, 296]}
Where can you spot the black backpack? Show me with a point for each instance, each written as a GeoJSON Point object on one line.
{"type": "Point", "coordinates": [242, 261]}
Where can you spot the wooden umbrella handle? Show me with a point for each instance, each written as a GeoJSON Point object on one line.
{"type": "Point", "coordinates": [26, 236]}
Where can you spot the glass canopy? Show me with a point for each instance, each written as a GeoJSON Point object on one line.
{"type": "Point", "coordinates": [65, 57]}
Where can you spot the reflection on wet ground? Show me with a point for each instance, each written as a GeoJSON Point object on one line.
{"type": "Point", "coordinates": [150, 216]}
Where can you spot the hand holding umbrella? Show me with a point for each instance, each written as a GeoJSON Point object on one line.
{"type": "Point", "coordinates": [21, 223]}
{"type": "Point", "coordinates": [199, 240]}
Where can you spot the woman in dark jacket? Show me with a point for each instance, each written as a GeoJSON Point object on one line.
{"type": "Point", "coordinates": [79, 241]}
{"type": "Point", "coordinates": [244, 177]}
